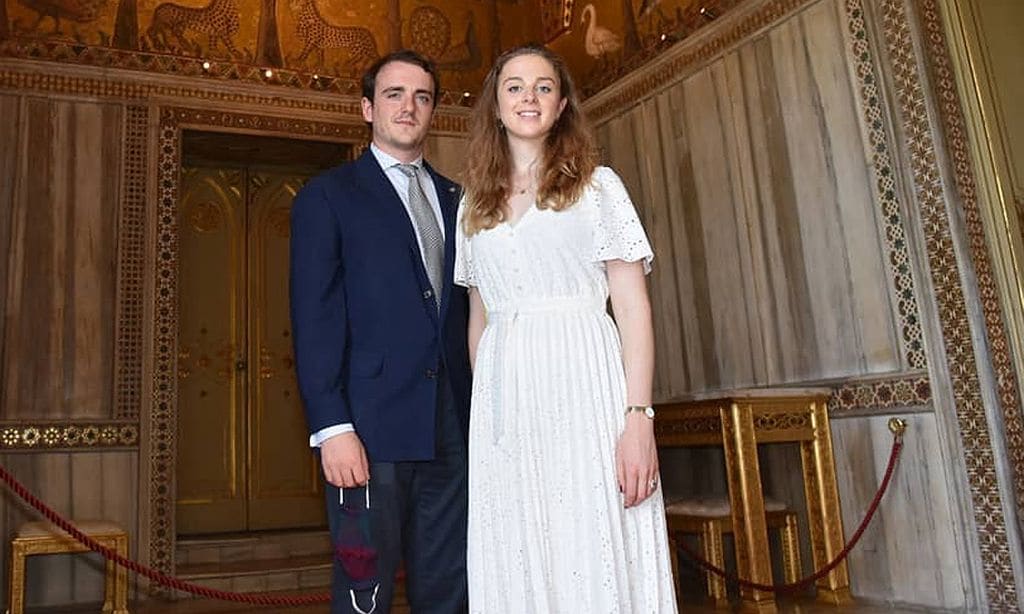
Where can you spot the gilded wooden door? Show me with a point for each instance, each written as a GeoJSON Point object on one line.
{"type": "Point", "coordinates": [243, 457]}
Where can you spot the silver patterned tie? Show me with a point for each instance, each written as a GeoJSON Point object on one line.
{"type": "Point", "coordinates": [426, 228]}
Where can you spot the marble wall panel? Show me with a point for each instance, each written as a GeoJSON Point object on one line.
{"type": "Point", "coordinates": [61, 261]}
{"type": "Point", "coordinates": [754, 177]}
{"type": "Point", "coordinates": [908, 555]}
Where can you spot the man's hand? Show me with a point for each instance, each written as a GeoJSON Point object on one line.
{"type": "Point", "coordinates": [344, 461]}
{"type": "Point", "coordinates": [636, 459]}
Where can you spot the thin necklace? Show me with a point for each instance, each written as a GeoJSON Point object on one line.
{"type": "Point", "coordinates": [530, 186]}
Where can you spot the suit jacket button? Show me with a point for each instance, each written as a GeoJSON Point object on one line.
{"type": "Point", "coordinates": [431, 373]}
{"type": "Point", "coordinates": [427, 294]}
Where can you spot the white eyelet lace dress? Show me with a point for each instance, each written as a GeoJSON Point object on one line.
{"type": "Point", "coordinates": [548, 533]}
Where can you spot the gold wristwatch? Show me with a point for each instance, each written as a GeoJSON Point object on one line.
{"type": "Point", "coordinates": [646, 410]}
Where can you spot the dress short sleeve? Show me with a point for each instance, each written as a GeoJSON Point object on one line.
{"type": "Point", "coordinates": [464, 273]}
{"type": "Point", "coordinates": [618, 234]}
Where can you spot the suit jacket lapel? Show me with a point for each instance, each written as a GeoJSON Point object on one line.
{"type": "Point", "coordinates": [385, 200]}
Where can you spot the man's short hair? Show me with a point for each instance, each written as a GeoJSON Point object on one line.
{"type": "Point", "coordinates": [402, 55]}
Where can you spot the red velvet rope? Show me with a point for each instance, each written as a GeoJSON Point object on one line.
{"type": "Point", "coordinates": [264, 599]}
{"type": "Point", "coordinates": [793, 587]}
{"type": "Point", "coordinates": [152, 574]}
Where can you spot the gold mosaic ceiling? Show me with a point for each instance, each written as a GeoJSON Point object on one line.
{"type": "Point", "coordinates": [325, 44]}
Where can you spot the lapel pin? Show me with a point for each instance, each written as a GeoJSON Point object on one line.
{"type": "Point", "coordinates": [451, 189]}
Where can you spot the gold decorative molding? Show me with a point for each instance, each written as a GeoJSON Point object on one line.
{"type": "Point", "coordinates": [253, 122]}
{"type": "Point", "coordinates": [23, 436]}
{"type": "Point", "coordinates": [710, 424]}
{"type": "Point", "coordinates": [782, 422]}
{"type": "Point", "coordinates": [961, 361]}
{"type": "Point", "coordinates": [81, 55]}
{"type": "Point", "coordinates": [129, 86]}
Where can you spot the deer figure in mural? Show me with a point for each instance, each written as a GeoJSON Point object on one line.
{"type": "Point", "coordinates": [219, 20]}
{"type": "Point", "coordinates": [318, 34]}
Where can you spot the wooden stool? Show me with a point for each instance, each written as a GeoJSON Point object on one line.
{"type": "Point", "coordinates": [45, 538]}
{"type": "Point", "coordinates": [710, 518]}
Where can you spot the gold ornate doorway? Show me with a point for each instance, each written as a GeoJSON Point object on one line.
{"type": "Point", "coordinates": [158, 427]}
{"type": "Point", "coordinates": [243, 463]}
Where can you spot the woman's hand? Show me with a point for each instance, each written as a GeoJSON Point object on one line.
{"type": "Point", "coordinates": [636, 459]}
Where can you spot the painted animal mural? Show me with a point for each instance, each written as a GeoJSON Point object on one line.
{"type": "Point", "coordinates": [76, 11]}
{"type": "Point", "coordinates": [334, 40]}
{"type": "Point", "coordinates": [430, 33]}
{"type": "Point", "coordinates": [317, 34]}
{"type": "Point", "coordinates": [598, 41]}
{"type": "Point", "coordinates": [171, 23]}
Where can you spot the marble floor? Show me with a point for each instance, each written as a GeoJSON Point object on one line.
{"type": "Point", "coordinates": [197, 606]}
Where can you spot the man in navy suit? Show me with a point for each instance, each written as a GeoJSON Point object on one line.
{"type": "Point", "coordinates": [381, 353]}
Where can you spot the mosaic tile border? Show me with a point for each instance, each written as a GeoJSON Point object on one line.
{"type": "Point", "coordinates": [131, 239]}
{"type": "Point", "coordinates": [885, 181]}
{"type": "Point", "coordinates": [961, 362]}
{"type": "Point", "coordinates": [77, 436]}
{"type": "Point", "coordinates": [163, 418]}
{"type": "Point", "coordinates": [955, 128]}
{"type": "Point", "coordinates": [881, 396]}
{"type": "Point", "coordinates": [162, 440]}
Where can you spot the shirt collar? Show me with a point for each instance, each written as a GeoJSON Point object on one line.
{"type": "Point", "coordinates": [387, 161]}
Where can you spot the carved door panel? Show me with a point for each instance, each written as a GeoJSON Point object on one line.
{"type": "Point", "coordinates": [243, 457]}
{"type": "Point", "coordinates": [284, 482]}
{"type": "Point", "coordinates": [212, 393]}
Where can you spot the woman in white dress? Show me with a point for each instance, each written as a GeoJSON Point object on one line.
{"type": "Point", "coordinates": [565, 513]}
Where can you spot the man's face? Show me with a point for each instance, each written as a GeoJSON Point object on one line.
{"type": "Point", "coordinates": [403, 103]}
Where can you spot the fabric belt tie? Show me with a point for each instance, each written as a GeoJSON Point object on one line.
{"type": "Point", "coordinates": [505, 374]}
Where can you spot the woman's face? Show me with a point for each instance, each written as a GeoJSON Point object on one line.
{"type": "Point", "coordinates": [529, 97]}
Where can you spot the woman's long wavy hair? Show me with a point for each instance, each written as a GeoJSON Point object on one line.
{"type": "Point", "coordinates": [569, 158]}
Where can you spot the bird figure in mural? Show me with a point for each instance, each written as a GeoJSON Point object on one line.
{"type": "Point", "coordinates": [80, 11]}
{"type": "Point", "coordinates": [598, 41]}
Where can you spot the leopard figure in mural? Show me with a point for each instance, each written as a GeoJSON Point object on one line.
{"type": "Point", "coordinates": [219, 20]}
{"type": "Point", "coordinates": [318, 34]}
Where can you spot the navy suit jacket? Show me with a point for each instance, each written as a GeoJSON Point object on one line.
{"type": "Point", "coordinates": [370, 343]}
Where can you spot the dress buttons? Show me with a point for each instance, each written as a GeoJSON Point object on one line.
{"type": "Point", "coordinates": [431, 373]}
{"type": "Point", "coordinates": [427, 294]}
